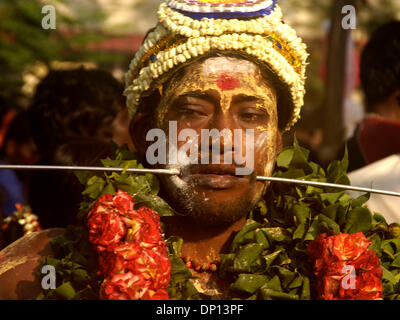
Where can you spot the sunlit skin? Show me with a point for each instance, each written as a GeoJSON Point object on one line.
{"type": "Point", "coordinates": [220, 93]}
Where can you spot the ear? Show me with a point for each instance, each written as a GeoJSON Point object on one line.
{"type": "Point", "coordinates": [138, 128]}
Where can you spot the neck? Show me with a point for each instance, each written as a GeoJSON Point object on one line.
{"type": "Point", "coordinates": [389, 108]}
{"type": "Point", "coordinates": [202, 243]}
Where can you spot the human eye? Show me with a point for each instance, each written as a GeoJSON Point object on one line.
{"type": "Point", "coordinates": [253, 115]}
{"type": "Point", "coordinates": [250, 117]}
{"type": "Point", "coordinates": [191, 110]}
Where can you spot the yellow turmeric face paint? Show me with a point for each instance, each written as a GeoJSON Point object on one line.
{"type": "Point", "coordinates": [217, 94]}
{"type": "Point", "coordinates": [228, 77]}
{"type": "Point", "coordinates": [230, 91]}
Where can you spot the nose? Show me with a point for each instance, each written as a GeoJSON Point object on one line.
{"type": "Point", "coordinates": [217, 145]}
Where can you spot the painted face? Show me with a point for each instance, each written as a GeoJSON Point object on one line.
{"type": "Point", "coordinates": [231, 96]}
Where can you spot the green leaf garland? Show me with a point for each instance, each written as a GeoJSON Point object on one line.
{"type": "Point", "coordinates": [267, 258]}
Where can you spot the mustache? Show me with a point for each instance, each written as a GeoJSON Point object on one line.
{"type": "Point", "coordinates": [219, 169]}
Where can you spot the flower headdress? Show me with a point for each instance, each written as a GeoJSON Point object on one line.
{"type": "Point", "coordinates": [188, 29]}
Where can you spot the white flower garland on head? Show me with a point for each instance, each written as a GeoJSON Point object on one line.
{"type": "Point", "coordinates": [214, 6]}
{"type": "Point", "coordinates": [177, 39]}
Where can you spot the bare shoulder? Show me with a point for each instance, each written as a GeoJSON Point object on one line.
{"type": "Point", "coordinates": [19, 261]}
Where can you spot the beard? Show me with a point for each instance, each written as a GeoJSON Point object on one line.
{"type": "Point", "coordinates": [187, 201]}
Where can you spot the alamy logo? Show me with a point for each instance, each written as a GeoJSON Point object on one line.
{"type": "Point", "coordinates": [349, 280]}
{"type": "Point", "coordinates": [188, 153]}
{"type": "Point", "coordinates": [349, 21]}
{"type": "Point", "coordinates": [49, 280]}
{"type": "Point", "coordinates": [49, 20]}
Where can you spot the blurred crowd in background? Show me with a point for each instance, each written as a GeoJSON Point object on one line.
{"type": "Point", "coordinates": [61, 99]}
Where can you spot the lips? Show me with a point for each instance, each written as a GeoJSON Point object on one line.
{"type": "Point", "coordinates": [213, 176]}
{"type": "Point", "coordinates": [212, 169]}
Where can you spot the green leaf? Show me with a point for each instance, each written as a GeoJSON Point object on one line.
{"type": "Point", "coordinates": [313, 231]}
{"type": "Point", "coordinates": [286, 276]}
{"type": "Point", "coordinates": [331, 211]}
{"type": "Point", "coordinates": [260, 209]}
{"type": "Point", "coordinates": [305, 291]}
{"type": "Point", "coordinates": [53, 262]}
{"type": "Point", "coordinates": [109, 189]}
{"type": "Point", "coordinates": [248, 258]}
{"type": "Point", "coordinates": [387, 275]}
{"type": "Point", "coordinates": [284, 158]}
{"type": "Point", "coordinates": [94, 187]}
{"type": "Point", "coordinates": [249, 283]}
{"type": "Point", "coordinates": [341, 215]}
{"type": "Point", "coordinates": [190, 292]}
{"type": "Point", "coordinates": [65, 291]}
{"type": "Point", "coordinates": [296, 283]}
{"type": "Point", "coordinates": [174, 245]}
{"type": "Point", "coordinates": [261, 239]}
{"type": "Point", "coordinates": [154, 183]}
{"type": "Point", "coordinates": [392, 245]}
{"type": "Point", "coordinates": [249, 226]}
{"type": "Point", "coordinates": [297, 148]}
{"type": "Point", "coordinates": [361, 200]}
{"type": "Point", "coordinates": [270, 258]}
{"type": "Point", "coordinates": [336, 173]}
{"type": "Point", "coordinates": [345, 159]}
{"type": "Point", "coordinates": [300, 158]}
{"type": "Point", "coordinates": [302, 213]}
{"type": "Point", "coordinates": [376, 244]}
{"type": "Point", "coordinates": [269, 294]}
{"type": "Point", "coordinates": [83, 176]}
{"type": "Point", "coordinates": [153, 202]}
{"type": "Point", "coordinates": [277, 234]}
{"type": "Point", "coordinates": [274, 284]}
{"type": "Point", "coordinates": [316, 169]}
{"type": "Point", "coordinates": [358, 220]}
{"type": "Point", "coordinates": [330, 225]}
{"type": "Point", "coordinates": [299, 232]}
{"type": "Point", "coordinates": [379, 218]}
{"type": "Point", "coordinates": [291, 174]}
{"type": "Point", "coordinates": [331, 198]}
{"type": "Point", "coordinates": [396, 261]}
{"type": "Point", "coordinates": [226, 265]}
{"type": "Point", "coordinates": [80, 275]}
{"type": "Point", "coordinates": [345, 199]}
{"type": "Point", "coordinates": [283, 259]}
{"type": "Point", "coordinates": [179, 271]}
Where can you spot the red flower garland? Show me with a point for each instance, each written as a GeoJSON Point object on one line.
{"type": "Point", "coordinates": [338, 258]}
{"type": "Point", "coordinates": [132, 252]}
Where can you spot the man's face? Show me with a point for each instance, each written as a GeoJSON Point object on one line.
{"type": "Point", "coordinates": [220, 93]}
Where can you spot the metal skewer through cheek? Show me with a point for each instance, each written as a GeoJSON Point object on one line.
{"type": "Point", "coordinates": [177, 172]}
{"type": "Point", "coordinates": [83, 168]}
{"type": "Point", "coordinates": [329, 185]}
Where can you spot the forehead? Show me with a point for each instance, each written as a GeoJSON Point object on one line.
{"type": "Point", "coordinates": [217, 65]}
{"type": "Point", "coordinates": [223, 74]}
{"type": "Point", "coordinates": [225, 78]}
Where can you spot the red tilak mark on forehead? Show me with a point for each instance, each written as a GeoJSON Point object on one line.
{"type": "Point", "coordinates": [227, 82]}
